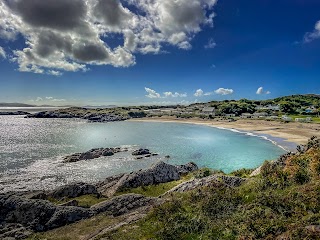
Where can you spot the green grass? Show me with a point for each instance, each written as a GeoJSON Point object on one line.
{"type": "Point", "coordinates": [83, 201]}
{"type": "Point", "coordinates": [77, 230]}
{"type": "Point", "coordinates": [314, 118]}
{"type": "Point", "coordinates": [156, 190]}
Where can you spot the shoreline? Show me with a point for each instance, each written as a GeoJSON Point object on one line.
{"type": "Point", "coordinates": [284, 135]}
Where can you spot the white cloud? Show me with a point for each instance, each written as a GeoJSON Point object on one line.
{"type": "Point", "coordinates": [224, 91]}
{"type": "Point", "coordinates": [260, 91]}
{"type": "Point", "coordinates": [47, 99]}
{"type": "Point", "coordinates": [58, 100]}
{"type": "Point", "coordinates": [74, 34]}
{"type": "Point", "coordinates": [152, 93]}
{"type": "Point", "coordinates": [176, 94]}
{"type": "Point", "coordinates": [2, 53]}
{"type": "Point", "coordinates": [211, 44]}
{"type": "Point", "coordinates": [310, 36]}
{"type": "Point", "coordinates": [198, 93]}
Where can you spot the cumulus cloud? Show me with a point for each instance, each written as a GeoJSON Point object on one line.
{"type": "Point", "coordinates": [261, 91]}
{"type": "Point", "coordinates": [224, 91]}
{"type": "Point", "coordinates": [2, 53]}
{"type": "Point", "coordinates": [153, 94]}
{"type": "Point", "coordinates": [72, 35]}
{"type": "Point", "coordinates": [315, 34]}
{"type": "Point", "coordinates": [211, 44]}
{"type": "Point", "coordinates": [176, 94]}
{"type": "Point", "coordinates": [47, 99]}
{"type": "Point", "coordinates": [198, 93]}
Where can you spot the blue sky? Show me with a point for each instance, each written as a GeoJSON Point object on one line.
{"type": "Point", "coordinates": [140, 52]}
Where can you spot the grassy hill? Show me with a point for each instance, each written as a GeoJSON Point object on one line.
{"type": "Point", "coordinates": [281, 202]}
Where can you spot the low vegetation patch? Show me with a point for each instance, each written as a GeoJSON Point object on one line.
{"type": "Point", "coordinates": [83, 201]}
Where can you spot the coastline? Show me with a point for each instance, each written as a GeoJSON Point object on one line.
{"type": "Point", "coordinates": [281, 134]}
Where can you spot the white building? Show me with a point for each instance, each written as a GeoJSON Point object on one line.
{"type": "Point", "coordinates": [286, 118]}
{"type": "Point", "coordinates": [246, 115]}
{"type": "Point", "coordinates": [209, 111]}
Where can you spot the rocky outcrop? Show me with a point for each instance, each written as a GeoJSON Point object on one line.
{"type": "Point", "coordinates": [158, 173]}
{"type": "Point", "coordinates": [125, 203]}
{"type": "Point", "coordinates": [38, 215]}
{"type": "Point", "coordinates": [73, 190]}
{"type": "Point", "coordinates": [104, 118]}
{"type": "Point", "coordinates": [14, 113]}
{"type": "Point", "coordinates": [141, 151]}
{"type": "Point", "coordinates": [51, 114]}
{"type": "Point", "coordinates": [18, 215]}
{"type": "Point", "coordinates": [91, 117]}
{"type": "Point", "coordinates": [91, 154]}
{"type": "Point", "coordinates": [13, 231]}
{"type": "Point", "coordinates": [213, 180]}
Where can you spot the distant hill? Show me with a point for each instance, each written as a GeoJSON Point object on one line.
{"type": "Point", "coordinates": [16, 105]}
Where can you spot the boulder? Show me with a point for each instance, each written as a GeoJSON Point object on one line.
{"type": "Point", "coordinates": [38, 215]}
{"type": "Point", "coordinates": [159, 173]}
{"type": "Point", "coordinates": [141, 151]}
{"type": "Point", "coordinates": [91, 154]}
{"type": "Point", "coordinates": [73, 190]}
{"type": "Point", "coordinates": [13, 231]}
{"type": "Point", "coordinates": [66, 214]}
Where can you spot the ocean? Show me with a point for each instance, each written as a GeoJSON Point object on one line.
{"type": "Point", "coordinates": [32, 150]}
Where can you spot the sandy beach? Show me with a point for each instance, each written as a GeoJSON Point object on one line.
{"type": "Point", "coordinates": [298, 133]}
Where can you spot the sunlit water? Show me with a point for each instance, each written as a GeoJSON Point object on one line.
{"type": "Point", "coordinates": [31, 150]}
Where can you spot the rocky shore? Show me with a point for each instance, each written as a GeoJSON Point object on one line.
{"type": "Point", "coordinates": [91, 115]}
{"type": "Point", "coordinates": [105, 152]}
{"type": "Point", "coordinates": [14, 113]}
{"type": "Point", "coordinates": [21, 214]}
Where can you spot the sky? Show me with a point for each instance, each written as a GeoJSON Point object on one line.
{"type": "Point", "coordinates": [134, 52]}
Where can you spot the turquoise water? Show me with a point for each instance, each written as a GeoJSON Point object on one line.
{"type": "Point", "coordinates": [31, 150]}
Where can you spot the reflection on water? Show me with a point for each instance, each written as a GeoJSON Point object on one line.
{"type": "Point", "coordinates": [31, 150]}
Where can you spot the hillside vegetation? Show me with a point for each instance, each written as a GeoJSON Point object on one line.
{"type": "Point", "coordinates": [281, 202]}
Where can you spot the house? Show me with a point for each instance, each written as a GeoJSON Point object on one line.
{"type": "Point", "coordinates": [229, 115]}
{"type": "Point", "coordinates": [286, 118]}
{"type": "Point", "coordinates": [308, 119]}
{"type": "Point", "coordinates": [260, 114]}
{"type": "Point", "coordinates": [269, 107]}
{"type": "Point", "coordinates": [167, 110]}
{"type": "Point", "coordinates": [246, 115]}
{"type": "Point", "coordinates": [135, 110]}
{"type": "Point", "coordinates": [300, 120]}
{"type": "Point", "coordinates": [273, 117]}
{"type": "Point", "coordinates": [209, 111]}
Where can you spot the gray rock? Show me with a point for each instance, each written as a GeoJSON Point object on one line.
{"type": "Point", "coordinates": [13, 231]}
{"type": "Point", "coordinates": [66, 215]}
{"type": "Point", "coordinates": [38, 215]}
{"type": "Point", "coordinates": [158, 173]}
{"type": "Point", "coordinates": [141, 151]}
{"type": "Point", "coordinates": [186, 168]}
{"type": "Point", "coordinates": [73, 190]}
{"type": "Point", "coordinates": [91, 154]}
{"type": "Point", "coordinates": [125, 203]}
